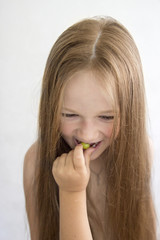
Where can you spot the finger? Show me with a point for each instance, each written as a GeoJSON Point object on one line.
{"type": "Point", "coordinates": [87, 156]}
{"type": "Point", "coordinates": [55, 163]}
{"type": "Point", "coordinates": [62, 160]}
{"type": "Point", "coordinates": [55, 166]}
{"type": "Point", "coordinates": [78, 157]}
{"type": "Point", "coordinates": [69, 160]}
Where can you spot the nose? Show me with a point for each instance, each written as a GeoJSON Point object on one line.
{"type": "Point", "coordinates": [87, 131]}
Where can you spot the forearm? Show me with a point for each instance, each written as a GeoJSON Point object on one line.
{"type": "Point", "coordinates": [74, 222]}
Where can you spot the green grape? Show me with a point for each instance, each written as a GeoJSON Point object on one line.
{"type": "Point", "coordinates": [85, 145]}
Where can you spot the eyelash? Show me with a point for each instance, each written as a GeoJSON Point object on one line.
{"type": "Point", "coordinates": [70, 115]}
{"type": "Point", "coordinates": [107, 117]}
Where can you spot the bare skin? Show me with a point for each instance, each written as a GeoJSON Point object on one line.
{"type": "Point", "coordinates": [71, 172]}
{"type": "Point", "coordinates": [90, 123]}
{"type": "Point", "coordinates": [80, 122]}
{"type": "Point", "coordinates": [28, 180]}
{"type": "Point", "coordinates": [72, 197]}
{"type": "Point", "coordinates": [79, 198]}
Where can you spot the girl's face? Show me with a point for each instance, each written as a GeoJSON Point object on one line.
{"type": "Point", "coordinates": [87, 113]}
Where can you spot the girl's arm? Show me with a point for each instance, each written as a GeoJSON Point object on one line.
{"type": "Point", "coordinates": [73, 216]}
{"type": "Point", "coordinates": [28, 180]}
{"type": "Point", "coordinates": [71, 172]}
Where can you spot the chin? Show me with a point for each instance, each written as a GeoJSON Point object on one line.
{"type": "Point", "coordinates": [96, 155]}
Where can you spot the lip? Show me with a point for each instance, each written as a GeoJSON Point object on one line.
{"type": "Point", "coordinates": [98, 145]}
{"type": "Point", "coordinates": [78, 142]}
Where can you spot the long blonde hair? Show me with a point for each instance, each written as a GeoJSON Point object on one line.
{"type": "Point", "coordinates": [104, 46]}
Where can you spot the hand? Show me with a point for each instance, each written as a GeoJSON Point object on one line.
{"type": "Point", "coordinates": [71, 171]}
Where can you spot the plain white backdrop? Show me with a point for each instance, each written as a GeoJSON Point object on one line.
{"type": "Point", "coordinates": [28, 30]}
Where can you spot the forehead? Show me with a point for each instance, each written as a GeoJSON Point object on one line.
{"type": "Point", "coordinates": [85, 88]}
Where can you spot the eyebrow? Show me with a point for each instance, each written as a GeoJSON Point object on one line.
{"type": "Point", "coordinates": [101, 112]}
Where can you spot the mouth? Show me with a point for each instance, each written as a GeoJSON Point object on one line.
{"type": "Point", "coordinates": [93, 145]}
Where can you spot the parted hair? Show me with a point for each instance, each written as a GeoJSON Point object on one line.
{"type": "Point", "coordinates": [104, 46]}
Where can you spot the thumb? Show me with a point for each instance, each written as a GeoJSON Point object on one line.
{"type": "Point", "coordinates": [87, 155]}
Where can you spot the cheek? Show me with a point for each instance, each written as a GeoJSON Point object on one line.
{"type": "Point", "coordinates": [108, 131]}
{"type": "Point", "coordinates": [66, 129]}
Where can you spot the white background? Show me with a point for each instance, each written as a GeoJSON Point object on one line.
{"type": "Point", "coordinates": [28, 30]}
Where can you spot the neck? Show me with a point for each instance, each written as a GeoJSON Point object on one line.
{"type": "Point", "coordinates": [97, 165]}
{"type": "Point", "coordinates": [97, 168]}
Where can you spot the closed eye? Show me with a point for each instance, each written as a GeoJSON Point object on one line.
{"type": "Point", "coordinates": [107, 117]}
{"type": "Point", "coordinates": [69, 115]}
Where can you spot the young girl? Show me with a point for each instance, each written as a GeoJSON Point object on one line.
{"type": "Point", "coordinates": [93, 98]}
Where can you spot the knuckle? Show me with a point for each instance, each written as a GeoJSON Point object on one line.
{"type": "Point", "coordinates": [78, 157]}
{"type": "Point", "coordinates": [54, 170]}
{"type": "Point", "coordinates": [84, 173]}
{"type": "Point", "coordinates": [54, 165]}
{"type": "Point", "coordinates": [61, 173]}
{"type": "Point", "coordinates": [63, 155]}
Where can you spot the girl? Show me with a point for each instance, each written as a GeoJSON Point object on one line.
{"type": "Point", "coordinates": [92, 92]}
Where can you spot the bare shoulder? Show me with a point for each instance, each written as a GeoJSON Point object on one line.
{"type": "Point", "coordinates": [30, 164]}
{"type": "Point", "coordinates": [29, 168]}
